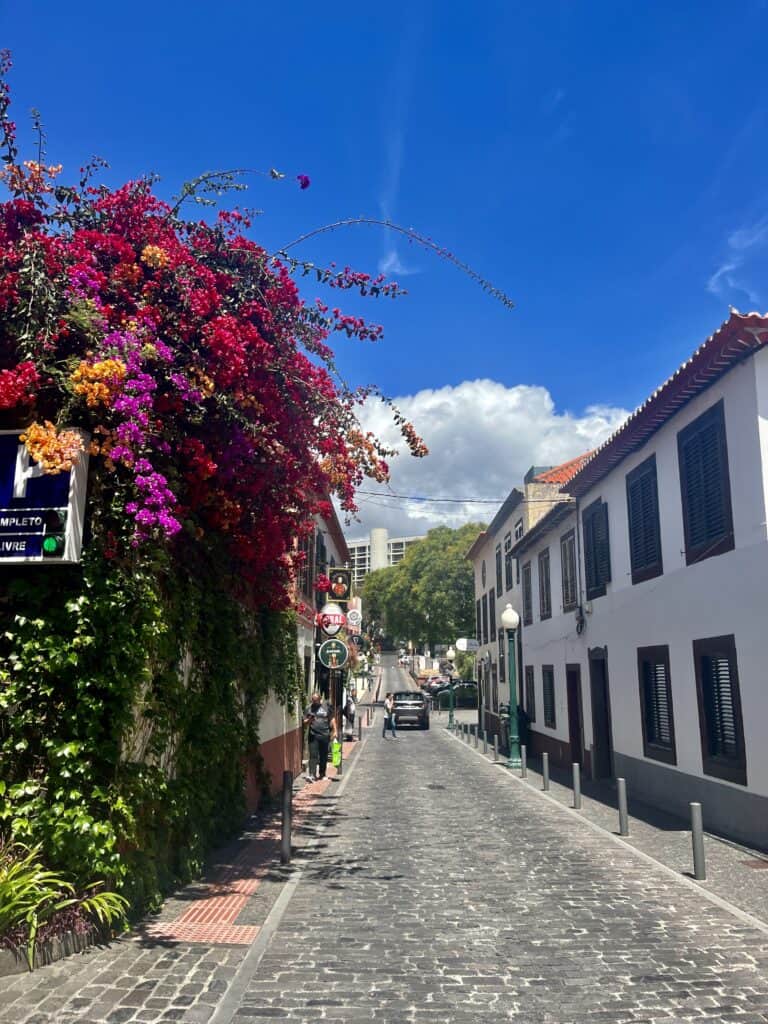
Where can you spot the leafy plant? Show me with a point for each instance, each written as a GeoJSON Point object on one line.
{"type": "Point", "coordinates": [30, 895]}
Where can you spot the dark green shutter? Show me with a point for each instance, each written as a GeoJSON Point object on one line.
{"type": "Point", "coordinates": [706, 493]}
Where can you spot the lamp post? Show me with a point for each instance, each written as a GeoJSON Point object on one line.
{"type": "Point", "coordinates": [451, 656]}
{"type": "Point", "coordinates": [510, 620]}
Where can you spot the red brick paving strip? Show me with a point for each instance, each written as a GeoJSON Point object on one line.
{"type": "Point", "coordinates": [211, 918]}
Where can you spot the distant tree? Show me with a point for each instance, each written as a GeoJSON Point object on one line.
{"type": "Point", "coordinates": [428, 597]}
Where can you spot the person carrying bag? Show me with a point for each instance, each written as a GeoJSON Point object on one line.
{"type": "Point", "coordinates": [321, 730]}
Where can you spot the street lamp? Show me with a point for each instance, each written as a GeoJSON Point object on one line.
{"type": "Point", "coordinates": [510, 620]}
{"type": "Point", "coordinates": [451, 656]}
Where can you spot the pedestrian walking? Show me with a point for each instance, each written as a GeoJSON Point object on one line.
{"type": "Point", "coordinates": [321, 730]}
{"type": "Point", "coordinates": [389, 717]}
{"type": "Point", "coordinates": [349, 715]}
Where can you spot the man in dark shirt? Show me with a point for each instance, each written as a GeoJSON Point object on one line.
{"type": "Point", "coordinates": [322, 729]}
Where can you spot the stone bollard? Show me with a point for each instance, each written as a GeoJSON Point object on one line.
{"type": "Point", "coordinates": [485, 741]}
{"type": "Point", "coordinates": [697, 838]}
{"type": "Point", "coordinates": [360, 728]}
{"type": "Point", "coordinates": [621, 786]}
{"type": "Point", "coordinates": [476, 731]}
{"type": "Point", "coordinates": [523, 761]}
{"type": "Point", "coordinates": [576, 786]}
{"type": "Point", "coordinates": [285, 837]}
{"type": "Point", "coordinates": [545, 771]}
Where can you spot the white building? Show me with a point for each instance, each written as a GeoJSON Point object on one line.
{"type": "Point", "coordinates": [377, 552]}
{"type": "Point", "coordinates": [645, 597]}
{"type": "Point", "coordinates": [497, 580]}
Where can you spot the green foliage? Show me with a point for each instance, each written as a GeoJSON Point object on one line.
{"type": "Point", "coordinates": [30, 895]}
{"type": "Point", "coordinates": [129, 695]}
{"type": "Point", "coordinates": [428, 597]}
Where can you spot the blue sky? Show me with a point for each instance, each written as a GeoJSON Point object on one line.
{"type": "Point", "coordinates": [602, 162]}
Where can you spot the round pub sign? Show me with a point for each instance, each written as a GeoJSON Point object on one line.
{"type": "Point", "coordinates": [333, 654]}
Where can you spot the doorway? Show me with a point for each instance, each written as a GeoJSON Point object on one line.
{"type": "Point", "coordinates": [575, 717]}
{"type": "Point", "coordinates": [601, 713]}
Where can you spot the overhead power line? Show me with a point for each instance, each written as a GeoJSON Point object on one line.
{"type": "Point", "coordinates": [458, 501]}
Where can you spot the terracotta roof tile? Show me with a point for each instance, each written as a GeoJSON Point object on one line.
{"type": "Point", "coordinates": [563, 473]}
{"type": "Point", "coordinates": [739, 337]}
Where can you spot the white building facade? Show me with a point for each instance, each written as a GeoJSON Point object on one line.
{"type": "Point", "coordinates": [644, 598]}
{"type": "Point", "coordinates": [497, 584]}
{"type": "Point", "coordinates": [377, 552]}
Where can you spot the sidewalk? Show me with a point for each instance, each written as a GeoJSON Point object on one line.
{"type": "Point", "coordinates": [175, 966]}
{"type": "Point", "coordinates": [734, 872]}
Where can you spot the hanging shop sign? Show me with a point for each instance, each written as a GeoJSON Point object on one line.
{"type": "Point", "coordinates": [333, 654]}
{"type": "Point", "coordinates": [41, 514]}
{"type": "Point", "coordinates": [354, 620]}
{"type": "Point", "coordinates": [356, 639]}
{"type": "Point", "coordinates": [341, 584]}
{"type": "Point", "coordinates": [331, 618]}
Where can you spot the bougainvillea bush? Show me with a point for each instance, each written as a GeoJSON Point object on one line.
{"type": "Point", "coordinates": [179, 358]}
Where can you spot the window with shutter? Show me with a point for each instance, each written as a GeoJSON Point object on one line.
{"type": "Point", "coordinates": [527, 595]}
{"type": "Point", "coordinates": [644, 527]}
{"type": "Point", "coordinates": [656, 704]}
{"type": "Point", "coordinates": [479, 623]}
{"type": "Point", "coordinates": [530, 693]}
{"type": "Point", "coordinates": [508, 560]}
{"type": "Point", "coordinates": [705, 487]}
{"type": "Point", "coordinates": [568, 570]}
{"type": "Point", "coordinates": [485, 618]}
{"type": "Point", "coordinates": [597, 552]}
{"type": "Point", "coordinates": [545, 593]}
{"type": "Point", "coordinates": [548, 693]}
{"type": "Point", "coordinates": [717, 684]}
{"type": "Point", "coordinates": [502, 658]}
{"type": "Point", "coordinates": [498, 571]}
{"type": "Point", "coordinates": [492, 613]}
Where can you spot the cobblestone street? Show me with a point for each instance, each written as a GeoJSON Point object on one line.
{"type": "Point", "coordinates": [440, 889]}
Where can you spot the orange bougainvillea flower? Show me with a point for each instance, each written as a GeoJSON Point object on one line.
{"type": "Point", "coordinates": [155, 257]}
{"type": "Point", "coordinates": [57, 452]}
{"type": "Point", "coordinates": [98, 382]}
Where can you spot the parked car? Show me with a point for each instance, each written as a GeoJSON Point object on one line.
{"type": "Point", "coordinates": [411, 708]}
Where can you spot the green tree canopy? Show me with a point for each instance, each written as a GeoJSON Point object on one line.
{"type": "Point", "coordinates": [428, 597]}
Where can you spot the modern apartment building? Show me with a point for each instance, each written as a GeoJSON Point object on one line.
{"type": "Point", "coordinates": [377, 552]}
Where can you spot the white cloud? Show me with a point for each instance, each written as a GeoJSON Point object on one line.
{"type": "Point", "coordinates": [742, 271]}
{"type": "Point", "coordinates": [390, 263]}
{"type": "Point", "coordinates": [483, 437]}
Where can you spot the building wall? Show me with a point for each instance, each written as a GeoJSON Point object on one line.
{"type": "Point", "coordinates": [720, 595]}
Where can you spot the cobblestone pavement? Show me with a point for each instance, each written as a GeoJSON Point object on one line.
{"type": "Point", "coordinates": [175, 966]}
{"type": "Point", "coordinates": [441, 890]}
{"type": "Point", "coordinates": [446, 892]}
{"type": "Point", "coordinates": [734, 872]}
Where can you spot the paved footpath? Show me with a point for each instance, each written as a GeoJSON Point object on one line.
{"type": "Point", "coordinates": [442, 890]}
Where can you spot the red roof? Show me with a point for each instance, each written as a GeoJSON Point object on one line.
{"type": "Point", "coordinates": [740, 336]}
{"type": "Point", "coordinates": [562, 474]}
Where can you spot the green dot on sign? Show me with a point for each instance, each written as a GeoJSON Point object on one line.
{"type": "Point", "coordinates": [50, 544]}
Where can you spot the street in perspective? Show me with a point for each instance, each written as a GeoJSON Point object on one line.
{"type": "Point", "coordinates": [383, 513]}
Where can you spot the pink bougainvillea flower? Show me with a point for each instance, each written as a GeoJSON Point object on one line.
{"type": "Point", "coordinates": [303, 181]}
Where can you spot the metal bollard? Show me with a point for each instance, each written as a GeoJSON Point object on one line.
{"type": "Point", "coordinates": [577, 785]}
{"type": "Point", "coordinates": [523, 761]}
{"type": "Point", "coordinates": [477, 736]}
{"type": "Point", "coordinates": [341, 761]}
{"type": "Point", "coordinates": [545, 771]}
{"type": "Point", "coordinates": [359, 729]}
{"type": "Point", "coordinates": [285, 838]}
{"type": "Point", "coordinates": [621, 785]}
{"type": "Point", "coordinates": [697, 838]}
{"type": "Point", "coordinates": [485, 741]}
{"type": "Point", "coordinates": [495, 746]}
